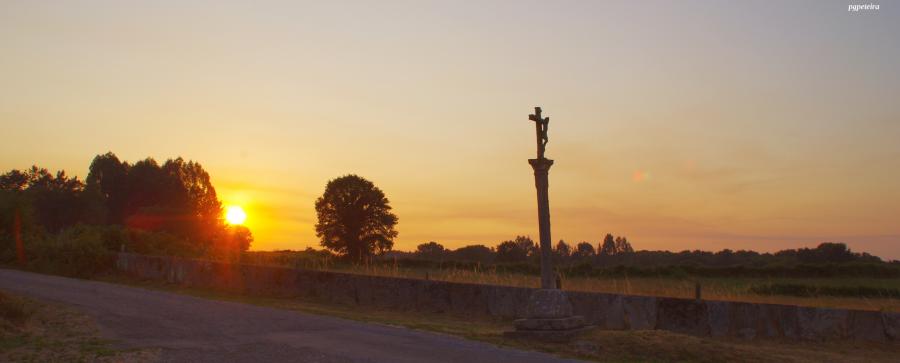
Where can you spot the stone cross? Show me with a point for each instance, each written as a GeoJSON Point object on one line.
{"type": "Point", "coordinates": [541, 167]}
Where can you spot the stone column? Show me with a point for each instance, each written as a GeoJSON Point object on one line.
{"type": "Point", "coordinates": [541, 171]}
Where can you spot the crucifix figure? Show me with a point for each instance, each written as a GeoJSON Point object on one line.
{"type": "Point", "coordinates": [540, 126]}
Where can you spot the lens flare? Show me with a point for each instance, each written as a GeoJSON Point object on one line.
{"type": "Point", "coordinates": [235, 214]}
{"type": "Point", "coordinates": [640, 175]}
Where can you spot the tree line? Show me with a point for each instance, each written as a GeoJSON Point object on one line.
{"type": "Point", "coordinates": [523, 249]}
{"type": "Point", "coordinates": [175, 200]}
{"type": "Point", "coordinates": [613, 251]}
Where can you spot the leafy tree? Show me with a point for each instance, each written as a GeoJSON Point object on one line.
{"type": "Point", "coordinates": [234, 238]}
{"type": "Point", "coordinates": [477, 253]}
{"type": "Point", "coordinates": [510, 251]}
{"type": "Point", "coordinates": [526, 244]}
{"type": "Point", "coordinates": [431, 250]}
{"type": "Point", "coordinates": [622, 245]}
{"type": "Point", "coordinates": [106, 177]}
{"type": "Point", "coordinates": [608, 247]}
{"type": "Point", "coordinates": [583, 251]}
{"type": "Point", "coordinates": [355, 218]}
{"type": "Point", "coordinates": [563, 249]}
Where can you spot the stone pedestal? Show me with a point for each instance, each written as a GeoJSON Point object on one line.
{"type": "Point", "coordinates": [549, 319]}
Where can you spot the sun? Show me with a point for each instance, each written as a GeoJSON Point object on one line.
{"type": "Point", "coordinates": [234, 214]}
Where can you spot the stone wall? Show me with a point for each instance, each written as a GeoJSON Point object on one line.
{"type": "Point", "coordinates": [609, 311]}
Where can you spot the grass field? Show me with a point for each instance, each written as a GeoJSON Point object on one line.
{"type": "Point", "coordinates": [33, 331]}
{"type": "Point", "coordinates": [599, 345]}
{"type": "Point", "coordinates": [725, 289]}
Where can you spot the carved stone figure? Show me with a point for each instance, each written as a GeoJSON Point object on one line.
{"type": "Point", "coordinates": [541, 125]}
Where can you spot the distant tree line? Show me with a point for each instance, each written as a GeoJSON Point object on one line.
{"type": "Point", "coordinates": [613, 251]}
{"type": "Point", "coordinates": [175, 200]}
{"type": "Point", "coordinates": [521, 249]}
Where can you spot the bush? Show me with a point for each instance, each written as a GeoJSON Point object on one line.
{"type": "Point", "coordinates": [75, 252]}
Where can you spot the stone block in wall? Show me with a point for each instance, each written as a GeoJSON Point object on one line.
{"type": "Point", "coordinates": [770, 323]}
{"type": "Point", "coordinates": [304, 282]}
{"type": "Point", "coordinates": [384, 291]}
{"type": "Point", "coordinates": [742, 316]}
{"type": "Point", "coordinates": [156, 269]}
{"type": "Point", "coordinates": [502, 301]}
{"type": "Point", "coordinates": [640, 311]}
{"type": "Point", "coordinates": [866, 325]}
{"type": "Point", "coordinates": [683, 316]}
{"type": "Point", "coordinates": [469, 299]}
{"type": "Point", "coordinates": [589, 305]}
{"type": "Point", "coordinates": [169, 270]}
{"type": "Point", "coordinates": [190, 272]}
{"type": "Point", "coordinates": [522, 295]}
{"type": "Point", "coordinates": [224, 276]}
{"type": "Point", "coordinates": [787, 318]}
{"type": "Point", "coordinates": [818, 324]}
{"type": "Point", "coordinates": [433, 296]}
{"type": "Point", "coordinates": [363, 286]}
{"type": "Point", "coordinates": [278, 281]}
{"type": "Point", "coordinates": [342, 290]}
{"type": "Point", "coordinates": [613, 312]}
{"type": "Point", "coordinates": [891, 323]}
{"type": "Point", "coordinates": [203, 274]}
{"type": "Point", "coordinates": [406, 293]}
{"type": "Point", "coordinates": [324, 285]}
{"type": "Point", "coordinates": [717, 317]}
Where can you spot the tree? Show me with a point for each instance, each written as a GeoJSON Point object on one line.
{"type": "Point", "coordinates": [107, 177]}
{"type": "Point", "coordinates": [510, 251]}
{"type": "Point", "coordinates": [563, 249]}
{"type": "Point", "coordinates": [622, 245]}
{"type": "Point", "coordinates": [608, 247]}
{"type": "Point", "coordinates": [431, 250]}
{"type": "Point", "coordinates": [582, 251]}
{"type": "Point", "coordinates": [355, 218]}
{"type": "Point", "coordinates": [477, 253]}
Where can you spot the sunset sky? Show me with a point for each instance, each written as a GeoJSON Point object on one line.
{"type": "Point", "coordinates": [680, 125]}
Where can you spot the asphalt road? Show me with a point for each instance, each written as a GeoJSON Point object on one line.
{"type": "Point", "coordinates": [191, 329]}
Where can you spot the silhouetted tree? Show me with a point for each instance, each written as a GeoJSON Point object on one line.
{"type": "Point", "coordinates": [477, 253]}
{"type": "Point", "coordinates": [431, 251]}
{"type": "Point", "coordinates": [355, 218]}
{"type": "Point", "coordinates": [107, 177]}
{"type": "Point", "coordinates": [582, 251]}
{"type": "Point", "coordinates": [563, 249]}
{"type": "Point", "coordinates": [510, 251]}
{"type": "Point", "coordinates": [622, 245]}
{"type": "Point", "coordinates": [608, 246]}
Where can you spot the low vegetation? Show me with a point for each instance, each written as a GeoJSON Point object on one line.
{"type": "Point", "coordinates": [845, 289]}
{"type": "Point", "coordinates": [32, 331]}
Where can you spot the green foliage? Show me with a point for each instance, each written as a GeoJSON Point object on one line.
{"type": "Point", "coordinates": [515, 250]}
{"type": "Point", "coordinates": [583, 250]}
{"type": "Point", "coordinates": [354, 218]}
{"type": "Point", "coordinates": [475, 253]}
{"type": "Point", "coordinates": [75, 252]}
{"type": "Point", "coordinates": [432, 251]}
{"type": "Point", "coordinates": [804, 290]}
{"type": "Point", "coordinates": [176, 200]}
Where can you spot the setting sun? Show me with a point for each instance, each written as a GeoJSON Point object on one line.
{"type": "Point", "coordinates": [235, 214]}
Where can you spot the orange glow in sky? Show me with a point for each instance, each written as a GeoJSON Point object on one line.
{"type": "Point", "coordinates": [756, 137]}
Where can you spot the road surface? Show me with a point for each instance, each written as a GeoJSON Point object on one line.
{"type": "Point", "coordinates": [191, 329]}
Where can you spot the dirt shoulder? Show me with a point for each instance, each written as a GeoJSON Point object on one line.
{"type": "Point", "coordinates": [35, 331]}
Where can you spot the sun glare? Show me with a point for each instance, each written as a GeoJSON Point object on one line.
{"type": "Point", "coordinates": [235, 214]}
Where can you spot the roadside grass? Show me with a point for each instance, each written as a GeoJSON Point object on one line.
{"type": "Point", "coordinates": [598, 345]}
{"type": "Point", "coordinates": [34, 331]}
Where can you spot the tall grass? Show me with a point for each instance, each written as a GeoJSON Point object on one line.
{"type": "Point", "coordinates": [746, 289]}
